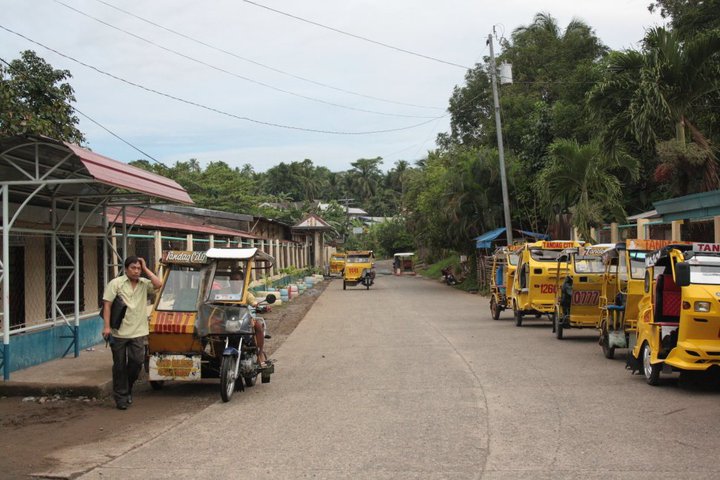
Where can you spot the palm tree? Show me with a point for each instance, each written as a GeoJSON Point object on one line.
{"type": "Point", "coordinates": [579, 178]}
{"type": "Point", "coordinates": [651, 95]}
{"type": "Point", "coordinates": [365, 176]}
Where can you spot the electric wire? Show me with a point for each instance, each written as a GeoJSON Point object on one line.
{"type": "Point", "coordinates": [254, 62]}
{"type": "Point", "coordinates": [359, 37]}
{"type": "Point", "coordinates": [118, 136]}
{"type": "Point", "coordinates": [216, 110]}
{"type": "Point", "coordinates": [236, 75]}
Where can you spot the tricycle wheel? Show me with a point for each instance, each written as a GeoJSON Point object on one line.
{"type": "Point", "coordinates": [650, 370]}
{"type": "Point", "coordinates": [344, 285]}
{"type": "Point", "coordinates": [608, 351]}
{"type": "Point", "coordinates": [367, 286]}
{"type": "Point", "coordinates": [558, 326]}
{"type": "Point", "coordinates": [227, 377]}
{"type": "Point", "coordinates": [494, 308]}
{"type": "Point", "coordinates": [157, 384]}
{"type": "Point", "coordinates": [518, 316]}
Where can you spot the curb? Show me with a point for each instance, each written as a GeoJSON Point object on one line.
{"type": "Point", "coordinates": [27, 389]}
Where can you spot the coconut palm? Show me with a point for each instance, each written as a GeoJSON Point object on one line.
{"type": "Point", "coordinates": [652, 95]}
{"type": "Point", "coordinates": [580, 179]}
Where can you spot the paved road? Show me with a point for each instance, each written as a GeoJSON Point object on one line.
{"type": "Point", "coordinates": [412, 379]}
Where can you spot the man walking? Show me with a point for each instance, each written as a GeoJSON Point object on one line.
{"type": "Point", "coordinates": [128, 341]}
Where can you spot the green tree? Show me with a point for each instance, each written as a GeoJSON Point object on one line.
{"type": "Point", "coordinates": [390, 237]}
{"type": "Point", "coordinates": [689, 17]}
{"type": "Point", "coordinates": [660, 89]}
{"type": "Point", "coordinates": [579, 178]}
{"type": "Point", "coordinates": [36, 99]}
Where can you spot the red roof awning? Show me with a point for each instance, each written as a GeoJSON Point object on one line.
{"type": "Point", "coordinates": [154, 219]}
{"type": "Point", "coordinates": [122, 175]}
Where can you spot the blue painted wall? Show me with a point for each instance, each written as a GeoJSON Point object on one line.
{"type": "Point", "coordinates": [33, 348]}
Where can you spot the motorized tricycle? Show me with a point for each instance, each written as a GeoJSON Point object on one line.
{"type": "Point", "coordinates": [202, 325]}
{"type": "Point", "coordinates": [337, 263]}
{"type": "Point", "coordinates": [359, 269]}
{"type": "Point", "coordinates": [577, 304]}
{"type": "Point", "coordinates": [622, 289]}
{"type": "Point", "coordinates": [679, 312]}
{"type": "Point", "coordinates": [502, 273]}
{"type": "Point", "coordinates": [535, 284]}
{"type": "Point", "coordinates": [403, 264]}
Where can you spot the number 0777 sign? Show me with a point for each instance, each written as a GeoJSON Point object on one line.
{"type": "Point", "coordinates": [585, 297]}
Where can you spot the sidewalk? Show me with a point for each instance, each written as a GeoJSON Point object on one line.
{"type": "Point", "coordinates": [90, 375]}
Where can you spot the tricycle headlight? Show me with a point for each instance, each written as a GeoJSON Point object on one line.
{"type": "Point", "coordinates": [702, 306]}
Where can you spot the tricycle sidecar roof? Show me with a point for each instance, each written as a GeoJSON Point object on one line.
{"type": "Point", "coordinates": [239, 254]}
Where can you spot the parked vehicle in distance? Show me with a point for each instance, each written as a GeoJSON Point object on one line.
{"type": "Point", "coordinates": [403, 264]}
{"type": "Point", "coordinates": [359, 269]}
{"type": "Point", "coordinates": [337, 263]}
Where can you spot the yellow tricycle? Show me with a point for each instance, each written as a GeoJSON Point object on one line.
{"type": "Point", "coordinates": [502, 272]}
{"type": "Point", "coordinates": [337, 263]}
{"type": "Point", "coordinates": [359, 269]}
{"type": "Point", "coordinates": [577, 304]}
{"type": "Point", "coordinates": [622, 290]}
{"type": "Point", "coordinates": [679, 312]}
{"type": "Point", "coordinates": [535, 283]}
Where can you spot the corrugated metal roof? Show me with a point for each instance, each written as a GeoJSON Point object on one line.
{"type": "Point", "coordinates": [690, 207]}
{"type": "Point", "coordinates": [171, 221]}
{"type": "Point", "coordinates": [122, 175]}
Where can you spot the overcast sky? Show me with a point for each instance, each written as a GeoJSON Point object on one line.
{"type": "Point", "coordinates": [274, 88]}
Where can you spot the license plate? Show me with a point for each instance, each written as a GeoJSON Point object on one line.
{"type": "Point", "coordinates": [174, 367]}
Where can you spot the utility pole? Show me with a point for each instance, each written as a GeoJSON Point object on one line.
{"type": "Point", "coordinates": [501, 150]}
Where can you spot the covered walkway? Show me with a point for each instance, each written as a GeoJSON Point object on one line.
{"type": "Point", "coordinates": [54, 195]}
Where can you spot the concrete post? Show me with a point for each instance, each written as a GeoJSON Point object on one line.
{"type": "Point", "coordinates": [614, 234]}
{"type": "Point", "coordinates": [253, 274]}
{"type": "Point", "coordinates": [716, 221]}
{"type": "Point", "coordinates": [641, 231]}
{"type": "Point", "coordinates": [317, 250]}
{"type": "Point", "coordinates": [211, 243]}
{"type": "Point", "coordinates": [114, 243]}
{"type": "Point", "coordinates": [157, 244]}
{"type": "Point", "coordinates": [677, 230]}
{"type": "Point", "coordinates": [189, 242]}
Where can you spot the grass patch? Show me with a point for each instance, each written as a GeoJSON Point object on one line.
{"type": "Point", "coordinates": [433, 270]}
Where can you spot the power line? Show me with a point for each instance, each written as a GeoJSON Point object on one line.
{"type": "Point", "coordinates": [254, 62]}
{"type": "Point", "coordinates": [242, 77]}
{"type": "Point", "coordinates": [118, 137]}
{"type": "Point", "coordinates": [215, 110]}
{"type": "Point", "coordinates": [359, 37]}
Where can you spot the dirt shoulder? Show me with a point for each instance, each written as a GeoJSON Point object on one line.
{"type": "Point", "coordinates": [50, 437]}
